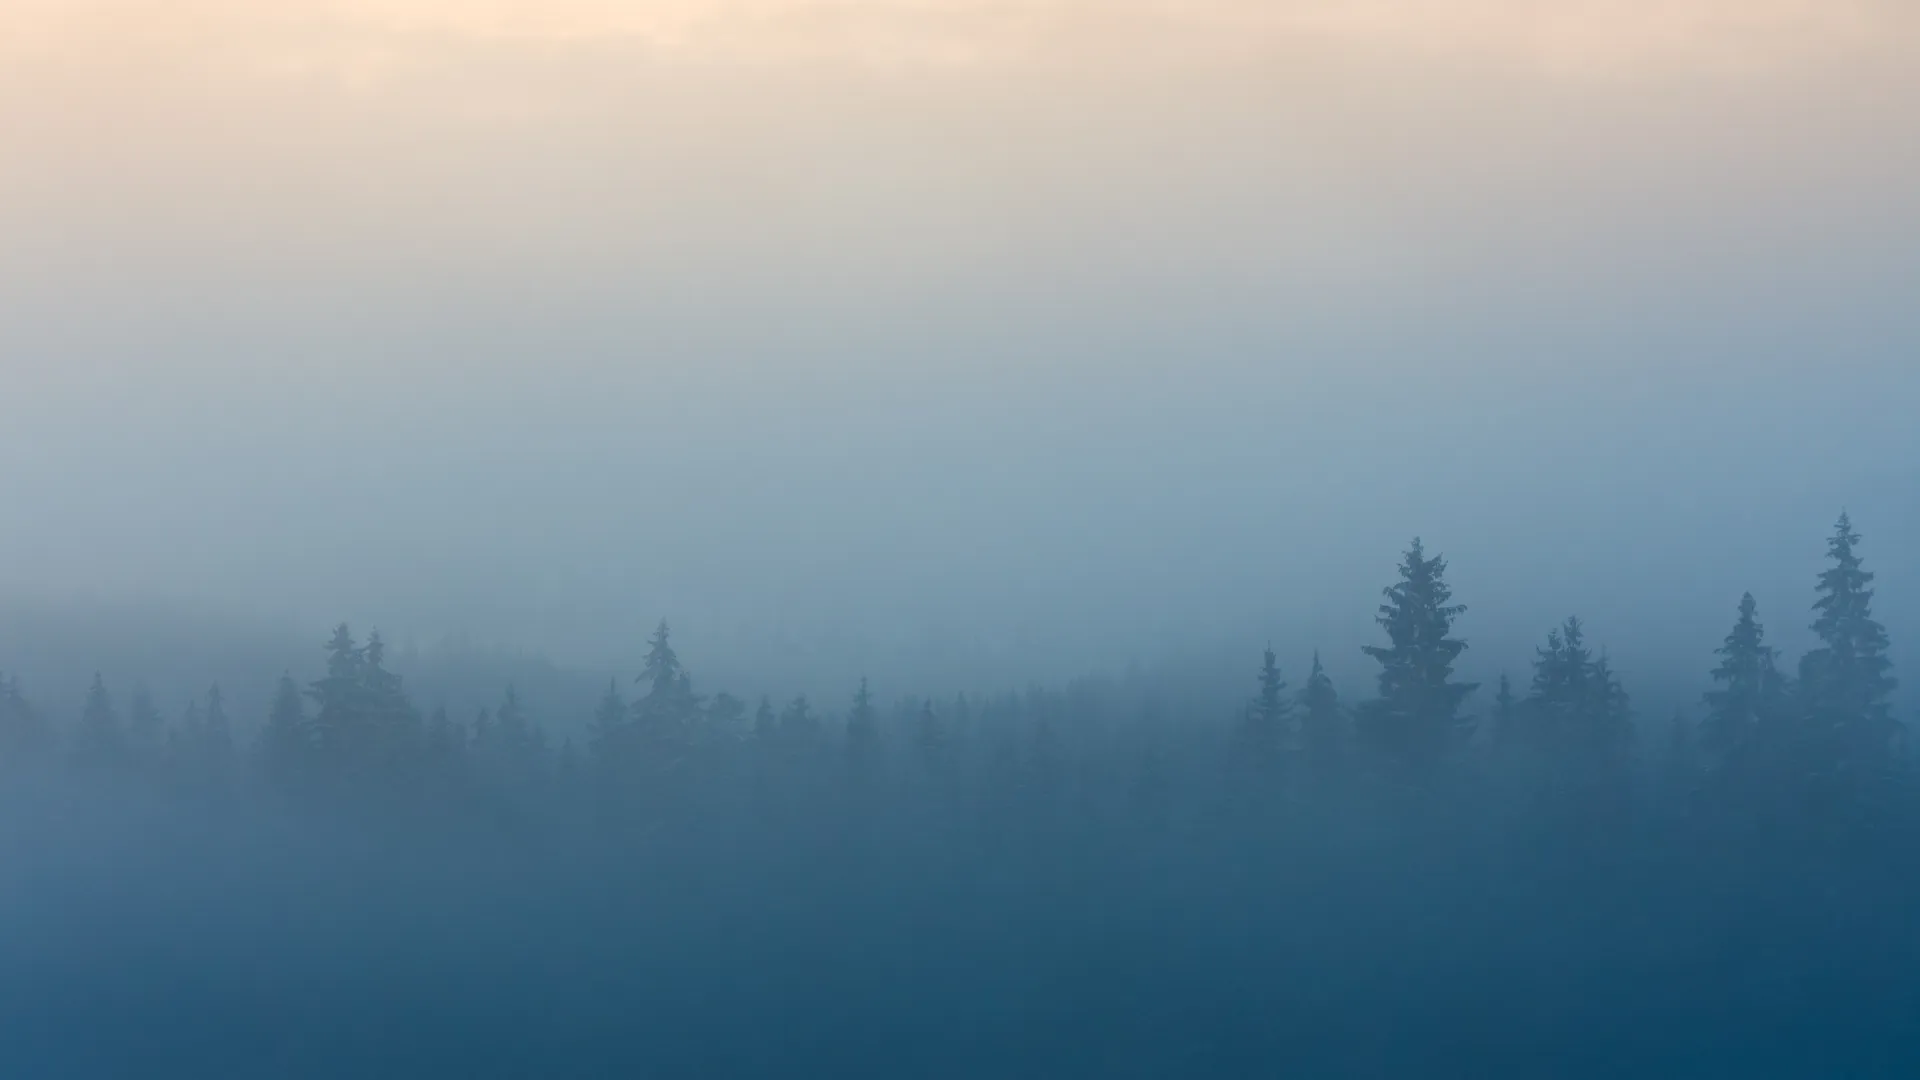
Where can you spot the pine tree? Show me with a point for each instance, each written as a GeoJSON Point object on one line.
{"type": "Point", "coordinates": [863, 734]}
{"type": "Point", "coordinates": [1847, 681]}
{"type": "Point", "coordinates": [340, 720]}
{"type": "Point", "coordinates": [665, 714]}
{"type": "Point", "coordinates": [1746, 683]}
{"type": "Point", "coordinates": [1323, 726]}
{"type": "Point", "coordinates": [1267, 723]}
{"type": "Point", "coordinates": [1609, 712]}
{"type": "Point", "coordinates": [1416, 719]}
{"type": "Point", "coordinates": [394, 732]}
{"type": "Point", "coordinates": [661, 673]}
{"type": "Point", "coordinates": [99, 742]}
{"type": "Point", "coordinates": [1577, 708]}
{"type": "Point", "coordinates": [1561, 671]}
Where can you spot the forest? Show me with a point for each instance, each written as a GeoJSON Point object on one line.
{"type": "Point", "coordinates": [1527, 878]}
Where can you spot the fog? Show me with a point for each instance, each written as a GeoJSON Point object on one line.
{"type": "Point", "coordinates": [1043, 364]}
{"type": "Point", "coordinates": [983, 369]}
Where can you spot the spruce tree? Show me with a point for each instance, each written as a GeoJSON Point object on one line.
{"type": "Point", "coordinates": [340, 719]}
{"type": "Point", "coordinates": [863, 734]}
{"type": "Point", "coordinates": [1847, 681]}
{"type": "Point", "coordinates": [1610, 712]}
{"type": "Point", "coordinates": [1577, 708]}
{"type": "Point", "coordinates": [1561, 671]}
{"type": "Point", "coordinates": [394, 735]}
{"type": "Point", "coordinates": [1416, 719]}
{"type": "Point", "coordinates": [665, 714]}
{"type": "Point", "coordinates": [1323, 725]}
{"type": "Point", "coordinates": [1745, 683]}
{"type": "Point", "coordinates": [661, 673]}
{"type": "Point", "coordinates": [1267, 722]}
{"type": "Point", "coordinates": [765, 727]}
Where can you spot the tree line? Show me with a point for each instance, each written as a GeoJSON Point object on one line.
{"type": "Point", "coordinates": [1811, 742]}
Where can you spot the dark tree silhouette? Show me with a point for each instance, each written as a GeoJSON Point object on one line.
{"type": "Point", "coordinates": [1323, 723]}
{"type": "Point", "coordinates": [1847, 681]}
{"type": "Point", "coordinates": [863, 736]}
{"type": "Point", "coordinates": [1416, 719]}
{"type": "Point", "coordinates": [1748, 689]}
{"type": "Point", "coordinates": [1266, 726]}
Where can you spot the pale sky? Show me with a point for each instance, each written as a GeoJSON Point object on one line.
{"type": "Point", "coordinates": [1114, 320]}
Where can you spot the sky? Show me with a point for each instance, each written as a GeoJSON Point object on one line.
{"type": "Point", "coordinates": [964, 339]}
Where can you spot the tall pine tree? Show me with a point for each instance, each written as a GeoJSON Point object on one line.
{"type": "Point", "coordinates": [1847, 681]}
{"type": "Point", "coordinates": [1747, 688]}
{"type": "Point", "coordinates": [863, 735]}
{"type": "Point", "coordinates": [1266, 725]}
{"type": "Point", "coordinates": [1416, 719]}
{"type": "Point", "coordinates": [339, 697]}
{"type": "Point", "coordinates": [1323, 723]}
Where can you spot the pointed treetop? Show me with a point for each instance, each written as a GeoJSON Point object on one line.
{"type": "Point", "coordinates": [661, 670]}
{"type": "Point", "coordinates": [1416, 715]}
